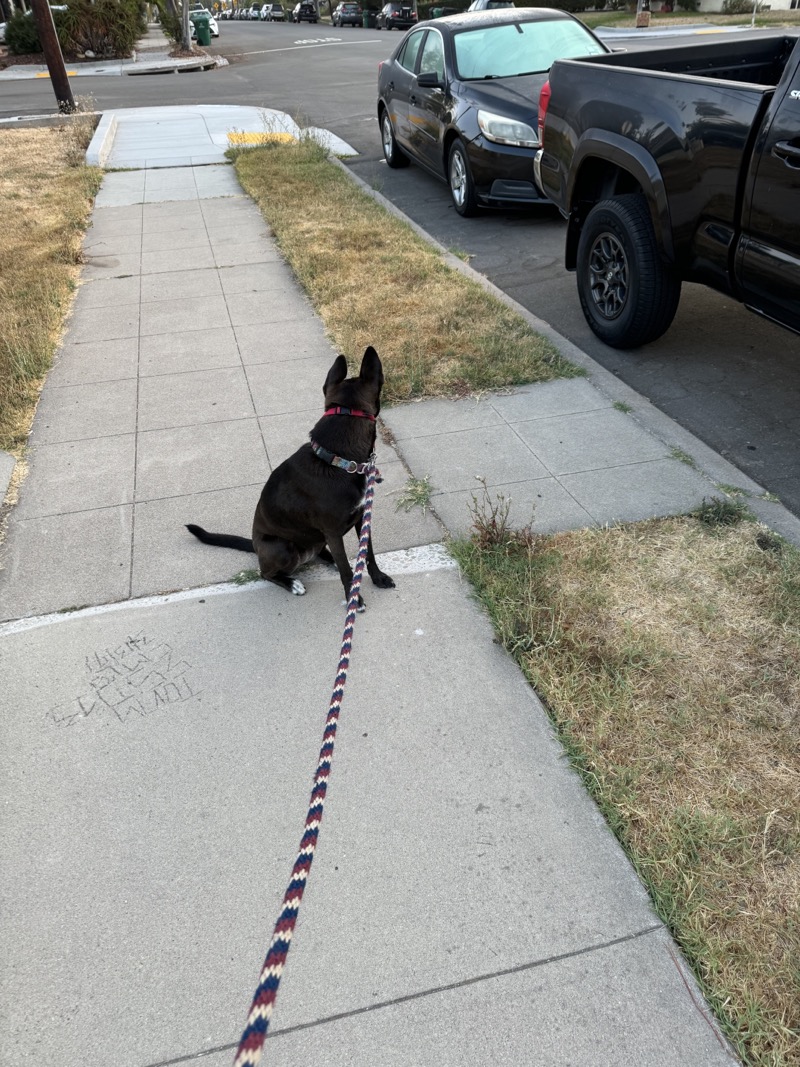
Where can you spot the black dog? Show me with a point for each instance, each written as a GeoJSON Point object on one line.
{"type": "Point", "coordinates": [317, 495]}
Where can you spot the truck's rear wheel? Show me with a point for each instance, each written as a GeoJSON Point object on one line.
{"type": "Point", "coordinates": [628, 294]}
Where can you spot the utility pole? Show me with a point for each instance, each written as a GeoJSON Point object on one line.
{"type": "Point", "coordinates": [186, 43]}
{"type": "Point", "coordinates": [52, 53]}
{"type": "Point", "coordinates": [642, 14]}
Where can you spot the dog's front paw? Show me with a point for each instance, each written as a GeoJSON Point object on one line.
{"type": "Point", "coordinates": [360, 607]}
{"type": "Point", "coordinates": [383, 581]}
{"type": "Point", "coordinates": [297, 587]}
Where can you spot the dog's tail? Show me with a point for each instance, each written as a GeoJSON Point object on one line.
{"type": "Point", "coordinates": [243, 544]}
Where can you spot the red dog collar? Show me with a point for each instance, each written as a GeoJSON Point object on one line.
{"type": "Point", "coordinates": [349, 411]}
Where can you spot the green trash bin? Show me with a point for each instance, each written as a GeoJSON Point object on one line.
{"type": "Point", "coordinates": [369, 19]}
{"type": "Point", "coordinates": [203, 27]}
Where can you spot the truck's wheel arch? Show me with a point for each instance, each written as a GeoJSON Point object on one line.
{"type": "Point", "coordinates": [607, 164]}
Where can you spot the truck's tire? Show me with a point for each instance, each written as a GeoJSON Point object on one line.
{"type": "Point", "coordinates": [628, 294]}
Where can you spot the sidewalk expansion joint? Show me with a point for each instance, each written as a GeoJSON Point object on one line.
{"type": "Point", "coordinates": [463, 984]}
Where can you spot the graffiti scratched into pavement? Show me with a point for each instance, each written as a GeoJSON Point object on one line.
{"type": "Point", "coordinates": [137, 678]}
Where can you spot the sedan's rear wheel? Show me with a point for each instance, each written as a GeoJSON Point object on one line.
{"type": "Point", "coordinates": [459, 178]}
{"type": "Point", "coordinates": [393, 154]}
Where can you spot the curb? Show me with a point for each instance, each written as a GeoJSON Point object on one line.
{"type": "Point", "coordinates": [705, 460]}
{"type": "Point", "coordinates": [179, 67]}
{"type": "Point", "coordinates": [103, 140]}
{"type": "Point", "coordinates": [7, 465]}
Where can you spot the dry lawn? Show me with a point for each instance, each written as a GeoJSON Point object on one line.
{"type": "Point", "coordinates": [46, 195]}
{"type": "Point", "coordinates": [373, 281]}
{"type": "Point", "coordinates": [668, 655]}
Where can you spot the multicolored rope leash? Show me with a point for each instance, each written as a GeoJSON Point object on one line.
{"type": "Point", "coordinates": [255, 1032]}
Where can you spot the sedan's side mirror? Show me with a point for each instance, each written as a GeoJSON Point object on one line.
{"type": "Point", "coordinates": [430, 80]}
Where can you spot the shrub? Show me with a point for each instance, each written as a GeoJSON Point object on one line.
{"type": "Point", "coordinates": [109, 28]}
{"type": "Point", "coordinates": [22, 37]}
{"type": "Point", "coordinates": [741, 7]}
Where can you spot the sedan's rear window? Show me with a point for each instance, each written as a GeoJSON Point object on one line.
{"type": "Point", "coordinates": [520, 48]}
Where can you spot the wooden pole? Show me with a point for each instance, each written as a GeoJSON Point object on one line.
{"type": "Point", "coordinates": [52, 54]}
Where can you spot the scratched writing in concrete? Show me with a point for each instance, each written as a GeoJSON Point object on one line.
{"type": "Point", "coordinates": [135, 679]}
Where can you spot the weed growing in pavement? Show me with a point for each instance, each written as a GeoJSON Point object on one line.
{"type": "Point", "coordinates": [732, 490]}
{"type": "Point", "coordinates": [491, 522]}
{"type": "Point", "coordinates": [683, 457]}
{"type": "Point", "coordinates": [719, 512]}
{"type": "Point", "coordinates": [417, 494]}
{"type": "Point", "coordinates": [245, 577]}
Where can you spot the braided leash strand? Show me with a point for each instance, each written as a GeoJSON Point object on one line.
{"type": "Point", "coordinates": [258, 1019]}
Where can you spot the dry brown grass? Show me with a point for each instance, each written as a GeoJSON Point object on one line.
{"type": "Point", "coordinates": [46, 195]}
{"type": "Point", "coordinates": [668, 654]}
{"type": "Point", "coordinates": [375, 282]}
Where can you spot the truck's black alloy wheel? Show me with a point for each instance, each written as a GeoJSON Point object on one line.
{"type": "Point", "coordinates": [628, 294]}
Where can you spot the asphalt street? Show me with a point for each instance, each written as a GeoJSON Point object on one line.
{"type": "Point", "coordinates": [727, 376]}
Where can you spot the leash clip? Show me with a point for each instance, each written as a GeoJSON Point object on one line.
{"type": "Point", "coordinates": [352, 467]}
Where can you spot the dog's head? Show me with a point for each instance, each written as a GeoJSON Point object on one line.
{"type": "Point", "coordinates": [363, 392]}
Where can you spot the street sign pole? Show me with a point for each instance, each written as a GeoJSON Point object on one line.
{"type": "Point", "coordinates": [52, 53]}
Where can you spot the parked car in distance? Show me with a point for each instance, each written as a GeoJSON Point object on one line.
{"type": "Point", "coordinates": [273, 13]}
{"type": "Point", "coordinates": [305, 11]}
{"type": "Point", "coordinates": [347, 14]}
{"type": "Point", "coordinates": [459, 96]}
{"type": "Point", "coordinates": [489, 5]}
{"type": "Point", "coordinates": [396, 15]}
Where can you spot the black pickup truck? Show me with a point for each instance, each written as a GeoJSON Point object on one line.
{"type": "Point", "coordinates": [681, 163]}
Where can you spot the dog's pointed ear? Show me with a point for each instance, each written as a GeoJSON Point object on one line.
{"type": "Point", "coordinates": [336, 374]}
{"type": "Point", "coordinates": [371, 368]}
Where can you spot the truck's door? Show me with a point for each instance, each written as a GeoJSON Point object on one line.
{"type": "Point", "coordinates": [768, 259]}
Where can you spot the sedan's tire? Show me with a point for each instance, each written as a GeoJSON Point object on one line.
{"type": "Point", "coordinates": [392, 153]}
{"type": "Point", "coordinates": [459, 178]}
{"type": "Point", "coordinates": [628, 294]}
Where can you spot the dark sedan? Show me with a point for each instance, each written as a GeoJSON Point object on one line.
{"type": "Point", "coordinates": [459, 96]}
{"type": "Point", "coordinates": [396, 15]}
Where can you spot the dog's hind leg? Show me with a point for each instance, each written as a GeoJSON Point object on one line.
{"type": "Point", "coordinates": [277, 560]}
{"type": "Point", "coordinates": [326, 557]}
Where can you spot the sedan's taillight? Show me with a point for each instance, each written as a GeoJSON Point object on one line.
{"type": "Point", "coordinates": [544, 102]}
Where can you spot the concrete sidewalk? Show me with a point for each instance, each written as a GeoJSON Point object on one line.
{"type": "Point", "coordinates": [468, 904]}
